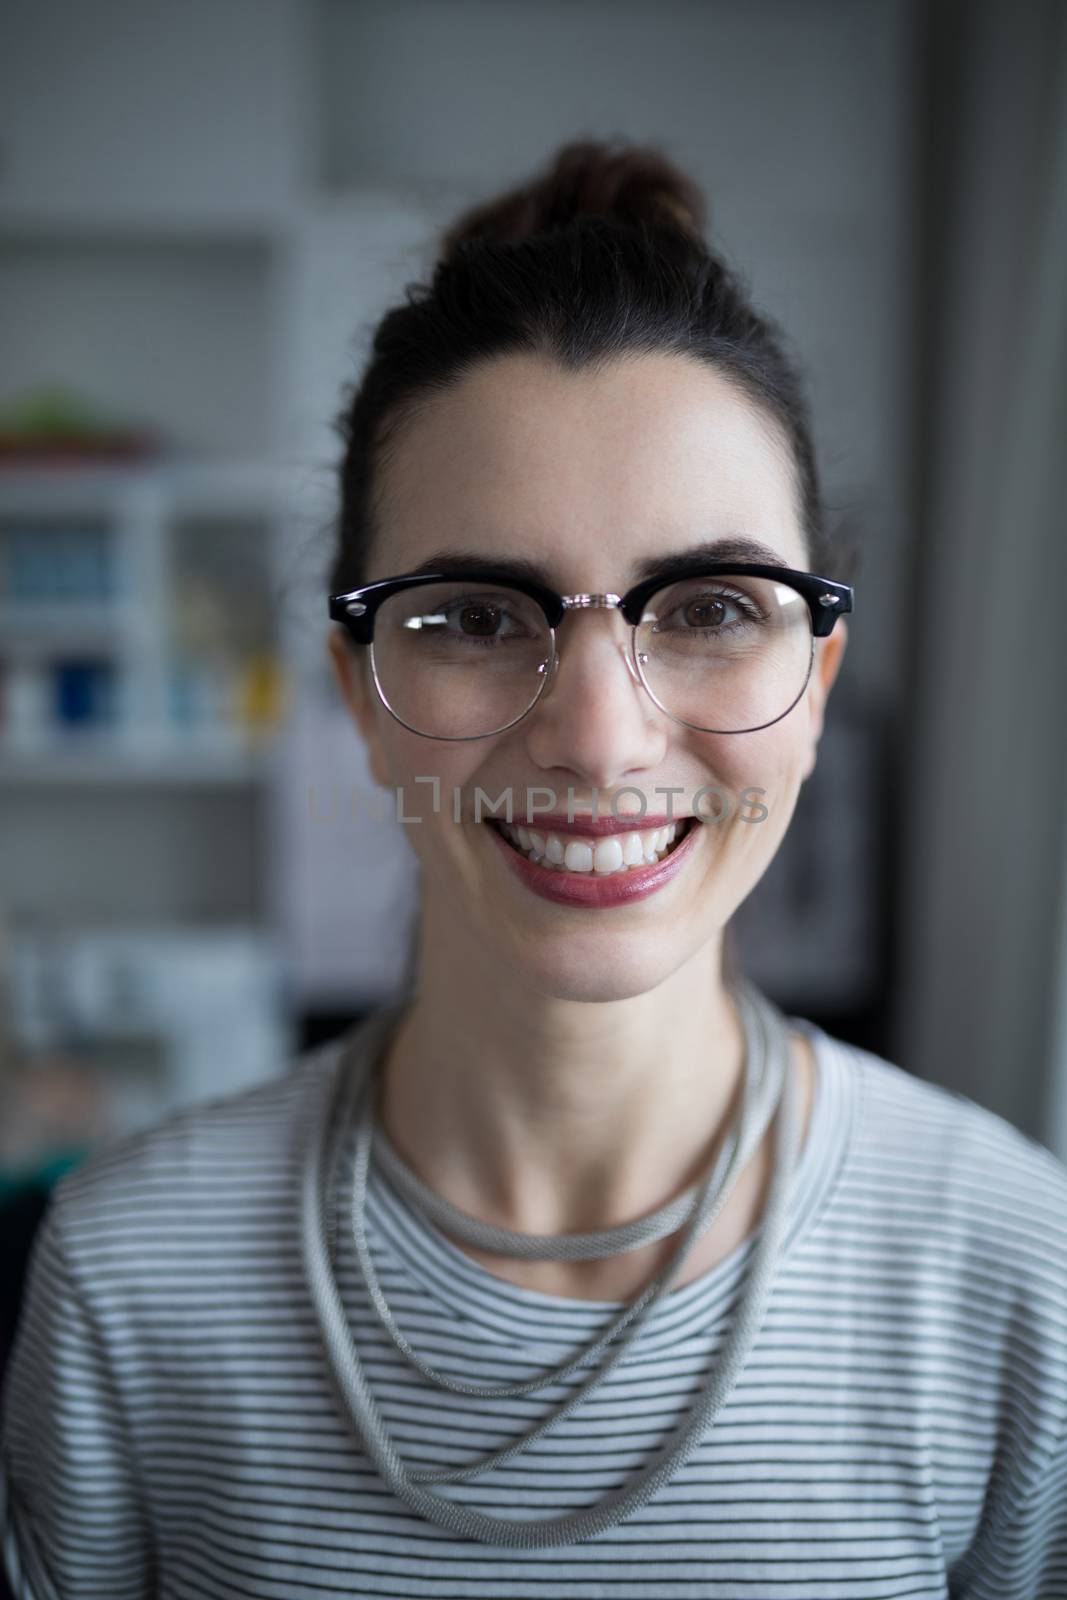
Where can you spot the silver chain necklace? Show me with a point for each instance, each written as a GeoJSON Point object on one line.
{"type": "Point", "coordinates": [768, 1088]}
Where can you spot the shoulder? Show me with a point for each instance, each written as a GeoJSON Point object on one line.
{"type": "Point", "coordinates": [196, 1163]}
{"type": "Point", "coordinates": [926, 1147]}
{"type": "Point", "coordinates": [965, 1216]}
{"type": "Point", "coordinates": [959, 1156]}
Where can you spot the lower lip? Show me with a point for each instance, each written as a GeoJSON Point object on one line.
{"type": "Point", "coordinates": [597, 889]}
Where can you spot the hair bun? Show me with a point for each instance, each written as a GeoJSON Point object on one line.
{"type": "Point", "coordinates": [631, 183]}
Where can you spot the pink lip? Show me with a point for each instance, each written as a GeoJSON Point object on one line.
{"type": "Point", "coordinates": [559, 822]}
{"type": "Point", "coordinates": [590, 888]}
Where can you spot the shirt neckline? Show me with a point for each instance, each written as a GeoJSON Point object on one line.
{"type": "Point", "coordinates": [412, 1255]}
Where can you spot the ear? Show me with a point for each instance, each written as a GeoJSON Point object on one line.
{"type": "Point", "coordinates": [351, 669]}
{"type": "Point", "coordinates": [829, 652]}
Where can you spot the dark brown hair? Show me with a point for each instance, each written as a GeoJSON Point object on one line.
{"type": "Point", "coordinates": [600, 255]}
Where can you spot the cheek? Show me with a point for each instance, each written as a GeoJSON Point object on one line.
{"type": "Point", "coordinates": [424, 776]}
{"type": "Point", "coordinates": [757, 769]}
{"type": "Point", "coordinates": [762, 776]}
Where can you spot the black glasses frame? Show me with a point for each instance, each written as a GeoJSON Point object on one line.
{"type": "Point", "coordinates": [827, 599]}
{"type": "Point", "coordinates": [356, 610]}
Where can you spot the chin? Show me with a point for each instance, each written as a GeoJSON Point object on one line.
{"type": "Point", "coordinates": [586, 970]}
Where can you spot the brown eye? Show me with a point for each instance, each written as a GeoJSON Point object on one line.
{"type": "Point", "coordinates": [706, 612]}
{"type": "Point", "coordinates": [480, 620]}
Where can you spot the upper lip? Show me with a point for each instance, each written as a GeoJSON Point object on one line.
{"type": "Point", "coordinates": [559, 822]}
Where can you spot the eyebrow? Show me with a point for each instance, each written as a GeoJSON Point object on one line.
{"type": "Point", "coordinates": [458, 562]}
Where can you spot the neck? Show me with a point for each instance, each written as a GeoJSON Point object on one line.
{"type": "Point", "coordinates": [551, 1115]}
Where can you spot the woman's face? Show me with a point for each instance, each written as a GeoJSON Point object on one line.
{"type": "Point", "coordinates": [588, 475]}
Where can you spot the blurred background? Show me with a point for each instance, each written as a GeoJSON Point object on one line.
{"type": "Point", "coordinates": [204, 208]}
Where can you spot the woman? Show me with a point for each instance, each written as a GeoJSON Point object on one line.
{"type": "Point", "coordinates": [580, 1270]}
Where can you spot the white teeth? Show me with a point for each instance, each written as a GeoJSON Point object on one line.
{"type": "Point", "coordinates": [607, 857]}
{"type": "Point", "coordinates": [578, 857]}
{"type": "Point", "coordinates": [615, 852]}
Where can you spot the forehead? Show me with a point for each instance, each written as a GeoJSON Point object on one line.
{"type": "Point", "coordinates": [586, 471]}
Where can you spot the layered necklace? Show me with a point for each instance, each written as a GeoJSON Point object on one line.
{"type": "Point", "coordinates": [769, 1088]}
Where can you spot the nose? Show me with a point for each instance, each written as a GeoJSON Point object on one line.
{"type": "Point", "coordinates": [594, 720]}
{"type": "Point", "coordinates": [627, 656]}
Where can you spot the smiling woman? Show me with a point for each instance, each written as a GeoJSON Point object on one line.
{"type": "Point", "coordinates": [582, 1269]}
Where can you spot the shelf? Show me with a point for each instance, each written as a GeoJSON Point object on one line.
{"type": "Point", "coordinates": [42, 626]}
{"type": "Point", "coordinates": [203, 765]}
{"type": "Point", "coordinates": [184, 635]}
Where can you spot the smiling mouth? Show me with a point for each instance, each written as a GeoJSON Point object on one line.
{"type": "Point", "coordinates": [614, 854]}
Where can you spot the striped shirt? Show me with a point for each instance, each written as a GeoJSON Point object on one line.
{"type": "Point", "coordinates": [169, 1426]}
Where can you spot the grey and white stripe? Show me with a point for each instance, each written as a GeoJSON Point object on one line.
{"type": "Point", "coordinates": [899, 1430]}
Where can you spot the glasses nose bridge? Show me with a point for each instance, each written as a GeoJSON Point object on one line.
{"type": "Point", "coordinates": [602, 602]}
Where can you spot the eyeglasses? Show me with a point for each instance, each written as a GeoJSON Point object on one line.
{"type": "Point", "coordinates": [464, 654]}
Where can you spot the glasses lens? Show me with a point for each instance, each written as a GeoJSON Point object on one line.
{"type": "Point", "coordinates": [460, 660]}
{"type": "Point", "coordinates": [727, 653]}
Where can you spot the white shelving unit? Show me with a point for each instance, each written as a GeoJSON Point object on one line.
{"type": "Point", "coordinates": [140, 517]}
{"type": "Point", "coordinates": [152, 164]}
{"type": "Point", "coordinates": [137, 845]}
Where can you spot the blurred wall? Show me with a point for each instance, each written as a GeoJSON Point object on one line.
{"type": "Point", "coordinates": [982, 939]}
